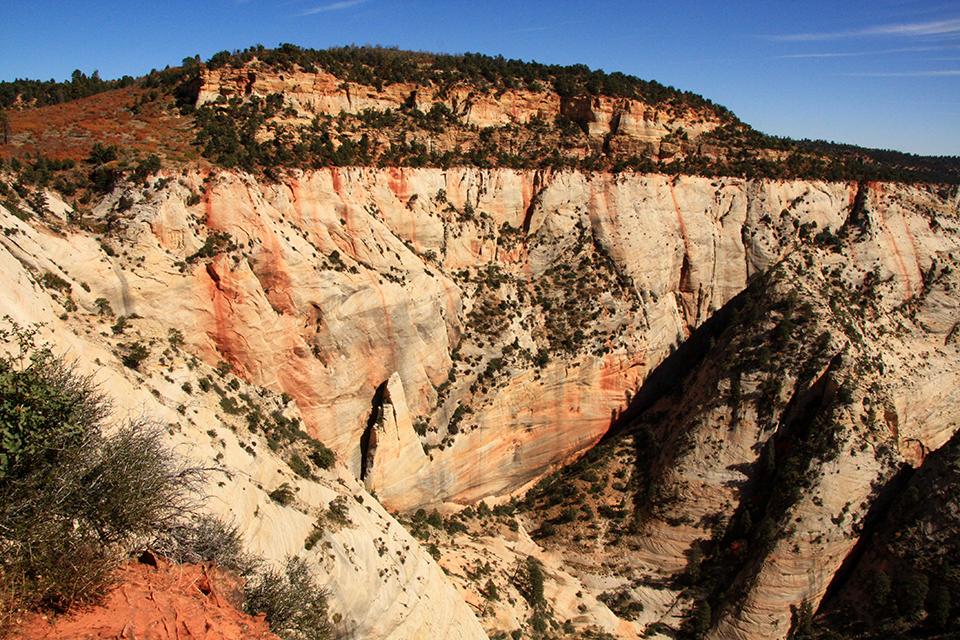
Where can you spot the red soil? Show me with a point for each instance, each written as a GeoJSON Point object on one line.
{"type": "Point", "coordinates": [186, 602]}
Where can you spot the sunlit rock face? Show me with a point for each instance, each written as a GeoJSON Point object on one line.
{"type": "Point", "coordinates": [327, 284]}
{"type": "Point", "coordinates": [416, 317]}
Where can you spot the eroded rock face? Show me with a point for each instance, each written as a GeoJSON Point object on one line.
{"type": "Point", "coordinates": [395, 464]}
{"type": "Point", "coordinates": [630, 125]}
{"type": "Point", "coordinates": [381, 582]}
{"type": "Point", "coordinates": [327, 284]}
{"type": "Point", "coordinates": [835, 371]}
{"type": "Point", "coordinates": [511, 317]}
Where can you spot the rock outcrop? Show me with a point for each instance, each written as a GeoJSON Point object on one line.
{"type": "Point", "coordinates": [396, 468]}
{"type": "Point", "coordinates": [382, 583]}
{"type": "Point", "coordinates": [631, 124]}
{"type": "Point", "coordinates": [510, 317]}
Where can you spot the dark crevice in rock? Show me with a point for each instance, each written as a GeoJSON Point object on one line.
{"type": "Point", "coordinates": [857, 223]}
{"type": "Point", "coordinates": [666, 377]}
{"type": "Point", "coordinates": [538, 188]}
{"type": "Point", "coordinates": [876, 517]}
{"type": "Point", "coordinates": [368, 441]}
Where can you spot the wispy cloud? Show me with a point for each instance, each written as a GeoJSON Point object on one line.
{"type": "Point", "coordinates": [907, 74]}
{"type": "Point", "coordinates": [854, 54]}
{"type": "Point", "coordinates": [909, 30]}
{"type": "Point", "coordinates": [336, 6]}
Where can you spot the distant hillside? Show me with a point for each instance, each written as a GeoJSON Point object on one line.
{"type": "Point", "coordinates": [267, 111]}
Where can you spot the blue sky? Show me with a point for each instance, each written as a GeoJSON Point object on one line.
{"type": "Point", "coordinates": [882, 74]}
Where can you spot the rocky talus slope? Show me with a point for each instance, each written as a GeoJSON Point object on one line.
{"type": "Point", "coordinates": [457, 334]}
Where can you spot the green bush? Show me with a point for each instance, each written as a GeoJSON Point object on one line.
{"type": "Point", "coordinates": [133, 354]}
{"type": "Point", "coordinates": [103, 307]}
{"type": "Point", "coordinates": [321, 455]}
{"type": "Point", "coordinates": [530, 582]}
{"type": "Point", "coordinates": [292, 603]}
{"type": "Point", "coordinates": [299, 466]}
{"type": "Point", "coordinates": [53, 281]}
{"type": "Point", "coordinates": [45, 406]}
{"type": "Point", "coordinates": [70, 495]}
{"type": "Point", "coordinates": [283, 495]}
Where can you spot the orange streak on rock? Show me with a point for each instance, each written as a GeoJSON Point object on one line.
{"type": "Point", "coordinates": [397, 182]}
{"type": "Point", "coordinates": [337, 184]}
{"type": "Point", "coordinates": [390, 343]}
{"type": "Point", "coordinates": [899, 258]}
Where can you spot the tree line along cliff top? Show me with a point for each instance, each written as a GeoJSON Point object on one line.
{"type": "Point", "coordinates": [416, 116]}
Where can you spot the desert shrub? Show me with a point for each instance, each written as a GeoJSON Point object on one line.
{"type": "Point", "coordinates": [315, 535]}
{"type": "Point", "coordinates": [103, 307]}
{"type": "Point", "coordinates": [321, 455]}
{"type": "Point", "coordinates": [283, 495]}
{"type": "Point", "coordinates": [230, 405]}
{"type": "Point", "coordinates": [71, 495]}
{"type": "Point", "coordinates": [299, 466]}
{"type": "Point", "coordinates": [204, 538]}
{"type": "Point", "coordinates": [133, 354]}
{"type": "Point", "coordinates": [120, 325]}
{"type": "Point", "coordinates": [216, 243]}
{"type": "Point", "coordinates": [530, 582]}
{"type": "Point", "coordinates": [175, 337]}
{"type": "Point", "coordinates": [53, 281]}
{"type": "Point", "coordinates": [622, 604]}
{"type": "Point", "coordinates": [293, 604]}
{"type": "Point", "coordinates": [338, 512]}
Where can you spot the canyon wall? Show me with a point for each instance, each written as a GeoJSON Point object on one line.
{"type": "Point", "coordinates": [327, 284]}
{"type": "Point", "coordinates": [456, 334]}
{"type": "Point", "coordinates": [837, 368]}
{"type": "Point", "coordinates": [381, 582]}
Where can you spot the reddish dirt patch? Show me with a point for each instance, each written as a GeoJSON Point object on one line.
{"type": "Point", "coordinates": [69, 130]}
{"type": "Point", "coordinates": [155, 603]}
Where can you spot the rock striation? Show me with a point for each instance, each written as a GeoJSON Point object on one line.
{"type": "Point", "coordinates": [338, 279]}
{"type": "Point", "coordinates": [629, 124]}
{"type": "Point", "coordinates": [382, 583]}
{"type": "Point", "coordinates": [456, 334]}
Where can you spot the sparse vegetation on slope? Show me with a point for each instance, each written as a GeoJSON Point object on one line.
{"type": "Point", "coordinates": [267, 134]}
{"type": "Point", "coordinates": [72, 493]}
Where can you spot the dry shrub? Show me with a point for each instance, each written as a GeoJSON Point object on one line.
{"type": "Point", "coordinates": [292, 603]}
{"type": "Point", "coordinates": [204, 538]}
{"type": "Point", "coordinates": [72, 495]}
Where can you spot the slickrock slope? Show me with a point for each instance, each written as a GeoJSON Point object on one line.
{"type": "Point", "coordinates": [382, 583]}
{"type": "Point", "coordinates": [510, 318]}
{"type": "Point", "coordinates": [795, 408]}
